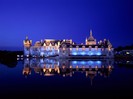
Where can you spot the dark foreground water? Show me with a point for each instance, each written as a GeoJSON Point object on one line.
{"type": "Point", "coordinates": [54, 78]}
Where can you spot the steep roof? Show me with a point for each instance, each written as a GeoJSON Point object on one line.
{"type": "Point", "coordinates": [91, 38]}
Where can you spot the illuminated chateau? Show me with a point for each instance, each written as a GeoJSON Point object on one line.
{"type": "Point", "coordinates": [69, 49]}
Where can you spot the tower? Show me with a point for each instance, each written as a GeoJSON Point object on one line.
{"type": "Point", "coordinates": [90, 40]}
{"type": "Point", "coordinates": [110, 53]}
{"type": "Point", "coordinates": [27, 44]}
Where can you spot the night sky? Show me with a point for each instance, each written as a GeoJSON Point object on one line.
{"type": "Point", "coordinates": [65, 19]}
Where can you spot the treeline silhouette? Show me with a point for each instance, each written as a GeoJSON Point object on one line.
{"type": "Point", "coordinates": [123, 56]}
{"type": "Point", "coordinates": [120, 48]}
{"type": "Point", "coordinates": [9, 58]}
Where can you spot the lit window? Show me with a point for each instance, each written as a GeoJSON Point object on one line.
{"type": "Point", "coordinates": [89, 48]}
{"type": "Point", "coordinates": [96, 48]}
{"type": "Point", "coordinates": [83, 47]}
{"type": "Point", "coordinates": [109, 49]}
{"type": "Point", "coordinates": [77, 47]}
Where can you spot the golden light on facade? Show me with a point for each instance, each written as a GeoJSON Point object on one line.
{"type": "Point", "coordinates": [109, 49]}
{"type": "Point", "coordinates": [47, 74]}
{"type": "Point", "coordinates": [26, 71]}
{"type": "Point", "coordinates": [58, 71]}
{"type": "Point", "coordinates": [44, 69]}
{"type": "Point", "coordinates": [50, 69]}
{"type": "Point", "coordinates": [56, 68]}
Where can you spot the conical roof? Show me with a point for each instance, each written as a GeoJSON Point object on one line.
{"type": "Point", "coordinates": [91, 38]}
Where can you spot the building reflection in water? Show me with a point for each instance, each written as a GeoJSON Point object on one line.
{"type": "Point", "coordinates": [66, 67]}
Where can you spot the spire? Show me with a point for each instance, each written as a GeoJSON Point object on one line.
{"type": "Point", "coordinates": [109, 44]}
{"type": "Point", "coordinates": [91, 38]}
{"type": "Point", "coordinates": [90, 32]}
{"type": "Point", "coordinates": [26, 37]}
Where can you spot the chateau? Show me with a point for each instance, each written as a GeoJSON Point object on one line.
{"type": "Point", "coordinates": [69, 49]}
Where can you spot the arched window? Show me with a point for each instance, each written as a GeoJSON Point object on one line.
{"type": "Point", "coordinates": [70, 47]}
{"type": "Point", "coordinates": [77, 47]}
{"type": "Point", "coordinates": [83, 48]}
{"type": "Point", "coordinates": [96, 48]}
{"type": "Point", "coordinates": [90, 48]}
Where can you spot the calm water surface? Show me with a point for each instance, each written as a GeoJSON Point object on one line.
{"type": "Point", "coordinates": [58, 78]}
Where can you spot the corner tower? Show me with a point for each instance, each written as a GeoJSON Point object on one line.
{"type": "Point", "coordinates": [27, 44]}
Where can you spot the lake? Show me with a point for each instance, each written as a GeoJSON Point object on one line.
{"type": "Point", "coordinates": [66, 78]}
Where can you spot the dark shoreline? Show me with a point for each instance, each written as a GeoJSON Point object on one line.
{"type": "Point", "coordinates": [9, 58]}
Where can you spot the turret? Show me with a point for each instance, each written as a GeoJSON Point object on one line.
{"type": "Point", "coordinates": [86, 41]}
{"type": "Point", "coordinates": [90, 33]}
{"type": "Point", "coordinates": [109, 44]}
{"type": "Point", "coordinates": [27, 44]}
{"type": "Point", "coordinates": [90, 40]}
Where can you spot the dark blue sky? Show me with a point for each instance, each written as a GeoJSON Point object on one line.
{"type": "Point", "coordinates": [65, 19]}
